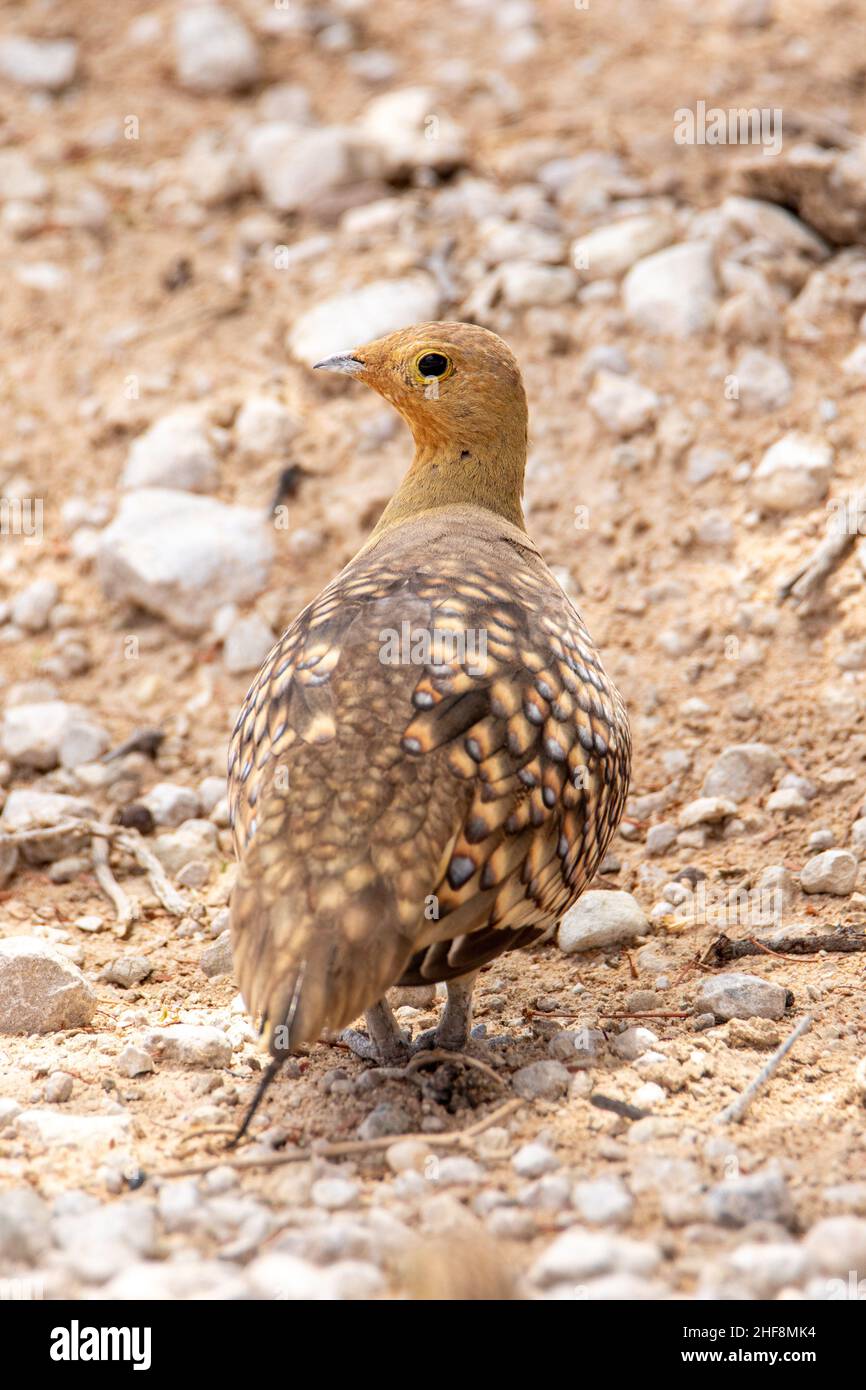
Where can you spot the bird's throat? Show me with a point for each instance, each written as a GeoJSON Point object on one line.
{"type": "Point", "coordinates": [444, 475]}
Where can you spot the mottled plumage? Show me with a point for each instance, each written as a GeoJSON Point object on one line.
{"type": "Point", "coordinates": [405, 821]}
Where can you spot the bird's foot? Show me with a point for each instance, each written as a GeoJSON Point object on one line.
{"type": "Point", "coordinates": [394, 1054]}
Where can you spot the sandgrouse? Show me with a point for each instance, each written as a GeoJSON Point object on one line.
{"type": "Point", "coordinates": [430, 763]}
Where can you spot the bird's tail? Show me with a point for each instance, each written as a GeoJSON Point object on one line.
{"type": "Point", "coordinates": [303, 969]}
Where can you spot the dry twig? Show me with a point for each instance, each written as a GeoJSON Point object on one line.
{"type": "Point", "coordinates": [737, 1109]}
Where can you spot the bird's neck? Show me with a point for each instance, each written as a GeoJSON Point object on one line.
{"type": "Point", "coordinates": [488, 475]}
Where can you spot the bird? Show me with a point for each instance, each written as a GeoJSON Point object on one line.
{"type": "Point", "coordinates": [429, 765]}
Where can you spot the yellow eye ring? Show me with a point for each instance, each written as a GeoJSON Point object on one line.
{"type": "Point", "coordinates": [432, 365]}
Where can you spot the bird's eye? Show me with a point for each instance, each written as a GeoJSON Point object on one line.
{"type": "Point", "coordinates": [433, 364]}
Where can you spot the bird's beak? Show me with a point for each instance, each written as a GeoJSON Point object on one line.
{"type": "Point", "coordinates": [341, 362]}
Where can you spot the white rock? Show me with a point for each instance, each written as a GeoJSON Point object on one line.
{"type": "Point", "coordinates": [502, 240]}
{"type": "Point", "coordinates": [578, 1254]}
{"type": "Point", "coordinates": [335, 1194]}
{"type": "Point", "coordinates": [213, 50]}
{"type": "Point", "coordinates": [188, 1045]}
{"type": "Point", "coordinates": [766, 1269]}
{"type": "Point", "coordinates": [31, 607]}
{"type": "Point", "coordinates": [58, 1127]}
{"type": "Point", "coordinates": [611, 250]}
{"type": "Point", "coordinates": [622, 405]}
{"type": "Point", "coordinates": [176, 452]}
{"type": "Point", "coordinates": [193, 840]}
{"type": "Point", "coordinates": [134, 1061]}
{"type": "Point", "coordinates": [794, 473]}
{"type": "Point", "coordinates": [533, 1160]}
{"type": "Point", "coordinates": [19, 180]}
{"type": "Point", "coordinates": [349, 320]}
{"type": "Point", "coordinates": [293, 165]}
{"type": "Point", "coordinates": [706, 810]}
{"type": "Point", "coordinates": [525, 284]}
{"type": "Point", "coordinates": [46, 65]}
{"type": "Point", "coordinates": [171, 804]}
{"type": "Point", "coordinates": [834, 871]}
{"type": "Point", "coordinates": [215, 168]}
{"type": "Point", "coordinates": [601, 918]}
{"type": "Point", "coordinates": [763, 382]}
{"type": "Point", "coordinates": [673, 292]}
{"type": "Point", "coordinates": [742, 771]}
{"type": "Point", "coordinates": [26, 809]}
{"type": "Point", "coordinates": [838, 1244]}
{"type": "Point", "coordinates": [737, 995]}
{"type": "Point", "coordinates": [412, 131]}
{"type": "Point", "coordinates": [183, 556]}
{"type": "Point", "coordinates": [633, 1043]}
{"type": "Point", "coordinates": [83, 741]}
{"type": "Point", "coordinates": [264, 429]}
{"type": "Point", "coordinates": [41, 991]}
{"type": "Point", "coordinates": [603, 1201]}
{"type": "Point", "coordinates": [247, 643]}
{"type": "Point", "coordinates": [33, 734]}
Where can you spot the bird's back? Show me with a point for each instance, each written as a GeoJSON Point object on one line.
{"type": "Point", "coordinates": [424, 774]}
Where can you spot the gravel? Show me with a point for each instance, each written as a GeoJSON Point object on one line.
{"type": "Point", "coordinates": [176, 452]}
{"type": "Point", "coordinates": [603, 1202]}
{"type": "Point", "coordinates": [623, 406]}
{"type": "Point", "coordinates": [44, 65]}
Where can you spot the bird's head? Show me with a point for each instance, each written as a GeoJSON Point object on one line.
{"type": "Point", "coordinates": [457, 386]}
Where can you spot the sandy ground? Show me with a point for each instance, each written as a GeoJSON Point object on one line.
{"type": "Point", "coordinates": [605, 79]}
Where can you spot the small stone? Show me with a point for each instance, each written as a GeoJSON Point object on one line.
{"type": "Point", "coordinates": [126, 971]}
{"type": "Point", "coordinates": [706, 810]}
{"type": "Point", "coordinates": [742, 771]}
{"type": "Point", "coordinates": [58, 1087]}
{"type": "Point", "coordinates": [407, 1155]}
{"type": "Point", "coordinates": [633, 1043]}
{"type": "Point", "coordinates": [458, 1170]}
{"type": "Point", "coordinates": [214, 51]}
{"type": "Point", "coordinates": [765, 1269]}
{"type": "Point", "coordinates": [246, 645]}
{"type": "Point", "coordinates": [387, 1118]}
{"type": "Point", "coordinates": [763, 382]}
{"type": "Point", "coordinates": [603, 1202]}
{"type": "Point", "coordinates": [28, 810]}
{"type": "Point", "coordinates": [171, 804]}
{"type": "Point", "coordinates": [739, 1201]}
{"type": "Point", "coordinates": [622, 405]}
{"type": "Point", "coordinates": [134, 1061]}
{"type": "Point", "coordinates": [194, 839]}
{"type": "Point", "coordinates": [579, 1254]}
{"type": "Point", "coordinates": [294, 166]}
{"type": "Point", "coordinates": [793, 474]}
{"type": "Point", "coordinates": [264, 429]}
{"type": "Point", "coordinates": [837, 1245]}
{"type": "Point", "coordinates": [601, 918]}
{"type": "Point", "coordinates": [736, 995]}
{"type": "Point", "coordinates": [672, 293]}
{"type": "Point", "coordinates": [217, 959]}
{"type": "Point", "coordinates": [176, 452]}
{"type": "Point", "coordinates": [41, 991]}
{"type": "Point", "coordinates": [541, 1081]}
{"type": "Point", "coordinates": [183, 556]}
{"type": "Point", "coordinates": [25, 1231]}
{"type": "Point", "coordinates": [398, 123]}
{"type": "Point", "coordinates": [188, 1045]}
{"type": "Point", "coordinates": [58, 1127]}
{"type": "Point", "coordinates": [533, 1160]}
{"type": "Point", "coordinates": [660, 838]}
{"type": "Point", "coordinates": [31, 607]}
{"type": "Point", "coordinates": [335, 1194]}
{"type": "Point", "coordinates": [609, 251]}
{"type": "Point", "coordinates": [46, 65]}
{"type": "Point", "coordinates": [525, 284]}
{"type": "Point", "coordinates": [834, 871]}
{"type": "Point", "coordinates": [33, 734]}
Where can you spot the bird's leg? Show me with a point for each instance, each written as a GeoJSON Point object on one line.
{"type": "Point", "coordinates": [452, 1032]}
{"type": "Point", "coordinates": [385, 1042]}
